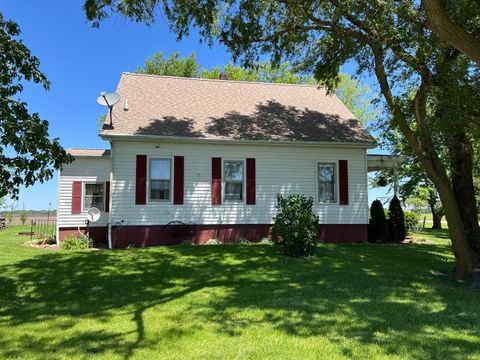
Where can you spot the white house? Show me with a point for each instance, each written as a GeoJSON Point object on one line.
{"type": "Point", "coordinates": [198, 159]}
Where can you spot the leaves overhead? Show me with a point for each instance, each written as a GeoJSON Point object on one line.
{"type": "Point", "coordinates": [27, 155]}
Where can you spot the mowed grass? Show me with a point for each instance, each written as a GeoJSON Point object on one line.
{"type": "Point", "coordinates": [235, 302]}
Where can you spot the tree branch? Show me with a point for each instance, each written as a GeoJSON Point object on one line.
{"type": "Point", "coordinates": [453, 34]}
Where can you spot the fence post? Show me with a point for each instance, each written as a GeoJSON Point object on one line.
{"type": "Point", "coordinates": [31, 230]}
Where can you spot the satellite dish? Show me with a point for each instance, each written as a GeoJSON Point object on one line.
{"type": "Point", "coordinates": [93, 214]}
{"type": "Point", "coordinates": [108, 100]}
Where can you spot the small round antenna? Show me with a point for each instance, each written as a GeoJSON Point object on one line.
{"type": "Point", "coordinates": [93, 214]}
{"type": "Point", "coordinates": [108, 100]}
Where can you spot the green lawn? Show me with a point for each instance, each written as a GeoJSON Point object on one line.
{"type": "Point", "coordinates": [235, 302]}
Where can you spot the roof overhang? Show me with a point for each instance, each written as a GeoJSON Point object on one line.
{"type": "Point", "coordinates": [150, 138]}
{"type": "Point", "coordinates": [381, 162]}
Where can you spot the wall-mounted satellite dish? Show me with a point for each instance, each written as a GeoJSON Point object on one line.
{"type": "Point", "coordinates": [93, 214]}
{"type": "Point", "coordinates": [108, 100]}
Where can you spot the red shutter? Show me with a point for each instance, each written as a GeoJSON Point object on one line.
{"type": "Point", "coordinates": [216, 181]}
{"type": "Point", "coordinates": [76, 197]}
{"type": "Point", "coordinates": [107, 196]}
{"type": "Point", "coordinates": [178, 179]}
{"type": "Point", "coordinates": [343, 179]}
{"type": "Point", "coordinates": [141, 180]}
{"type": "Point", "coordinates": [250, 181]}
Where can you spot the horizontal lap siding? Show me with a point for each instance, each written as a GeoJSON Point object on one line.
{"type": "Point", "coordinates": [85, 170]}
{"type": "Point", "coordinates": [279, 169]}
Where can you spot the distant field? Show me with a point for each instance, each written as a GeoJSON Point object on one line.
{"type": "Point", "coordinates": [36, 217]}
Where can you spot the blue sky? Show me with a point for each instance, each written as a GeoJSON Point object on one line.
{"type": "Point", "coordinates": [80, 62]}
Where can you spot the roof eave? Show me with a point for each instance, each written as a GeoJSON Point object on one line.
{"type": "Point", "coordinates": [129, 137]}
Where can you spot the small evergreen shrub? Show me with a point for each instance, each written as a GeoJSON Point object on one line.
{"type": "Point", "coordinates": [266, 241]}
{"type": "Point", "coordinates": [213, 242]}
{"type": "Point", "coordinates": [242, 241]}
{"type": "Point", "coordinates": [377, 230]}
{"type": "Point", "coordinates": [396, 221]}
{"type": "Point", "coordinates": [295, 225]}
{"type": "Point", "coordinates": [412, 220]}
{"type": "Point", "coordinates": [75, 242]}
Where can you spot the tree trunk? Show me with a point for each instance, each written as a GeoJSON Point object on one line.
{"type": "Point", "coordinates": [461, 166]}
{"type": "Point", "coordinates": [437, 220]}
{"type": "Point", "coordinates": [437, 213]}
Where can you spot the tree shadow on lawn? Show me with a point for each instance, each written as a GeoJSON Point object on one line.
{"type": "Point", "coordinates": [371, 294]}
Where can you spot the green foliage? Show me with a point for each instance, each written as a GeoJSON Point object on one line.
{"type": "Point", "coordinates": [186, 243]}
{"type": "Point", "coordinates": [213, 242]}
{"type": "Point", "coordinates": [396, 221]}
{"type": "Point", "coordinates": [377, 229]}
{"type": "Point", "coordinates": [31, 155]}
{"type": "Point", "coordinates": [75, 242]}
{"type": "Point", "coordinates": [266, 241]}
{"type": "Point", "coordinates": [295, 225]}
{"type": "Point", "coordinates": [242, 241]}
{"type": "Point", "coordinates": [358, 98]}
{"type": "Point", "coordinates": [173, 65]}
{"type": "Point", "coordinates": [412, 220]}
{"type": "Point", "coordinates": [23, 217]}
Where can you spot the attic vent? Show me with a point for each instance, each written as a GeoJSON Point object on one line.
{"type": "Point", "coordinates": [223, 76]}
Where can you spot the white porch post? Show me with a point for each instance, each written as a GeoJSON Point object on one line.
{"type": "Point", "coordinates": [395, 180]}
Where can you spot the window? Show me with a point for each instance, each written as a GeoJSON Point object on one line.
{"type": "Point", "coordinates": [93, 196]}
{"type": "Point", "coordinates": [233, 174]}
{"type": "Point", "coordinates": [326, 183]}
{"type": "Point", "coordinates": [160, 179]}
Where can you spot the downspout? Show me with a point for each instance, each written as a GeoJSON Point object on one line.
{"type": "Point", "coordinates": [57, 230]}
{"type": "Point", "coordinates": [109, 229]}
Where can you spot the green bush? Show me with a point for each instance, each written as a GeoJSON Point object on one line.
{"type": "Point", "coordinates": [242, 241]}
{"type": "Point", "coordinates": [266, 241]}
{"type": "Point", "coordinates": [75, 242]}
{"type": "Point", "coordinates": [295, 225]}
{"type": "Point", "coordinates": [396, 221]}
{"type": "Point", "coordinates": [213, 242]}
{"type": "Point", "coordinates": [186, 242]}
{"type": "Point", "coordinates": [377, 229]}
{"type": "Point", "coordinates": [412, 219]}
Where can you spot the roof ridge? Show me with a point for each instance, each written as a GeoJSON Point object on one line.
{"type": "Point", "coordinates": [223, 81]}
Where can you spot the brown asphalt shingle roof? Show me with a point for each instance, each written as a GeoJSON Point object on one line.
{"type": "Point", "coordinates": [89, 152]}
{"type": "Point", "coordinates": [231, 110]}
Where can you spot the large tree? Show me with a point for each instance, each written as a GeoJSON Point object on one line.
{"type": "Point", "coordinates": [27, 154]}
{"type": "Point", "coordinates": [386, 39]}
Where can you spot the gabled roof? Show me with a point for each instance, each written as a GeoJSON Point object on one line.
{"type": "Point", "coordinates": [231, 110]}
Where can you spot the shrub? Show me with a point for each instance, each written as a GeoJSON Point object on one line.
{"type": "Point", "coordinates": [186, 242]}
{"type": "Point", "coordinates": [396, 221]}
{"type": "Point", "coordinates": [295, 225]}
{"type": "Point", "coordinates": [23, 217]}
{"type": "Point", "coordinates": [266, 241]}
{"type": "Point", "coordinates": [242, 241]}
{"type": "Point", "coordinates": [75, 242]}
{"type": "Point", "coordinates": [412, 220]}
{"type": "Point", "coordinates": [377, 230]}
{"type": "Point", "coordinates": [213, 242]}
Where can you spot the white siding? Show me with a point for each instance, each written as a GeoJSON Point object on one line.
{"type": "Point", "coordinates": [279, 169]}
{"type": "Point", "coordinates": [85, 170]}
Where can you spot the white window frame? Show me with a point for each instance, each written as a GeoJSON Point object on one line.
{"type": "Point", "coordinates": [336, 186]}
{"type": "Point", "coordinates": [149, 181]}
{"type": "Point", "coordinates": [224, 182]}
{"type": "Point", "coordinates": [84, 193]}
